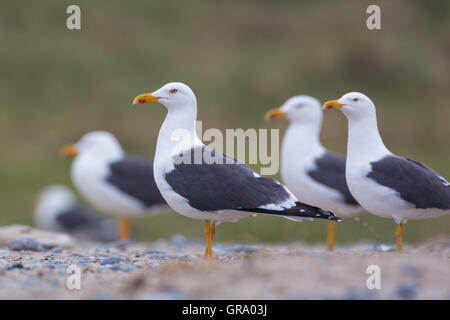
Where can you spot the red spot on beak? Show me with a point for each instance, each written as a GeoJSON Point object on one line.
{"type": "Point", "coordinates": [141, 101]}
{"type": "Point", "coordinates": [329, 107]}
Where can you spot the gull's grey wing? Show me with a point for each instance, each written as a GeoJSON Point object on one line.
{"type": "Point", "coordinates": [77, 217]}
{"type": "Point", "coordinates": [415, 182]}
{"type": "Point", "coordinates": [223, 183]}
{"type": "Point", "coordinates": [330, 171]}
{"type": "Point", "coordinates": [134, 176]}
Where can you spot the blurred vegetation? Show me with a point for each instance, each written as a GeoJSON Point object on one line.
{"type": "Point", "coordinates": [241, 58]}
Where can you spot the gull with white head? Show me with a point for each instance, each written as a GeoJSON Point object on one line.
{"type": "Point", "coordinates": [385, 184]}
{"type": "Point", "coordinates": [315, 175]}
{"type": "Point", "coordinates": [57, 209]}
{"type": "Point", "coordinates": [113, 181]}
{"type": "Point", "coordinates": [201, 183]}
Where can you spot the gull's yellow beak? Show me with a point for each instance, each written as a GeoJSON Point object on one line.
{"type": "Point", "coordinates": [332, 104]}
{"type": "Point", "coordinates": [275, 113]}
{"type": "Point", "coordinates": [69, 151]}
{"type": "Point", "coordinates": [146, 97]}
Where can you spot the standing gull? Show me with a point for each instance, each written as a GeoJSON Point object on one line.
{"type": "Point", "coordinates": [201, 183]}
{"type": "Point", "coordinates": [113, 181]}
{"type": "Point", "coordinates": [385, 184]}
{"type": "Point", "coordinates": [315, 175]}
{"type": "Point", "coordinates": [57, 209]}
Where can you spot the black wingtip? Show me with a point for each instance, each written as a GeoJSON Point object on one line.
{"type": "Point", "coordinates": [315, 212]}
{"type": "Point", "coordinates": [301, 210]}
{"type": "Point", "coordinates": [329, 215]}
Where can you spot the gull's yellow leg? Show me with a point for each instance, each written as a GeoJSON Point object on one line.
{"type": "Point", "coordinates": [331, 237]}
{"type": "Point", "coordinates": [399, 234]}
{"type": "Point", "coordinates": [213, 232]}
{"type": "Point", "coordinates": [124, 228]}
{"type": "Point", "coordinates": [208, 250]}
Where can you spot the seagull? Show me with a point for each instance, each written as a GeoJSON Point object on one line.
{"type": "Point", "coordinates": [201, 183]}
{"type": "Point", "coordinates": [57, 209]}
{"type": "Point", "coordinates": [385, 184]}
{"type": "Point", "coordinates": [315, 175]}
{"type": "Point", "coordinates": [113, 181]}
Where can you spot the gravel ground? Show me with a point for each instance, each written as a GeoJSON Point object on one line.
{"type": "Point", "coordinates": [173, 269]}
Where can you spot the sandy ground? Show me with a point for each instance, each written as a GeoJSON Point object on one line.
{"type": "Point", "coordinates": [173, 269]}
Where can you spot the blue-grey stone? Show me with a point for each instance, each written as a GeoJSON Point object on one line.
{"type": "Point", "coordinates": [112, 260]}
{"type": "Point", "coordinates": [244, 248]}
{"type": "Point", "coordinates": [115, 268]}
{"type": "Point", "coordinates": [159, 255]}
{"type": "Point", "coordinates": [15, 266]}
{"type": "Point", "coordinates": [29, 244]}
{"type": "Point", "coordinates": [178, 239]}
{"type": "Point", "coordinates": [59, 262]}
{"type": "Point", "coordinates": [128, 268]}
{"type": "Point", "coordinates": [57, 250]}
{"type": "Point", "coordinates": [408, 291]}
{"type": "Point", "coordinates": [383, 247]}
{"type": "Point", "coordinates": [152, 251]}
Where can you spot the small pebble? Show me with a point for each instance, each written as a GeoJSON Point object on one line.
{"type": "Point", "coordinates": [384, 248]}
{"type": "Point", "coordinates": [151, 251]}
{"type": "Point", "coordinates": [244, 248]}
{"type": "Point", "coordinates": [408, 291]}
{"type": "Point", "coordinates": [178, 239]}
{"type": "Point", "coordinates": [57, 250]}
{"type": "Point", "coordinates": [29, 244]}
{"type": "Point", "coordinates": [112, 260]}
{"type": "Point", "coordinates": [15, 266]}
{"type": "Point", "coordinates": [128, 268]}
{"type": "Point", "coordinates": [114, 268]}
{"type": "Point", "coordinates": [158, 255]}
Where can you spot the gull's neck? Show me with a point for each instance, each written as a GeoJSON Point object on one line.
{"type": "Point", "coordinates": [301, 145]}
{"type": "Point", "coordinates": [364, 140]}
{"type": "Point", "coordinates": [302, 136]}
{"type": "Point", "coordinates": [177, 133]}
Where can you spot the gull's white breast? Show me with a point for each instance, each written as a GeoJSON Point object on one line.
{"type": "Point", "coordinates": [89, 176]}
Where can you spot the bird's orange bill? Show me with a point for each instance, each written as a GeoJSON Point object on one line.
{"type": "Point", "coordinates": [275, 113]}
{"type": "Point", "coordinates": [146, 97]}
{"type": "Point", "coordinates": [69, 151]}
{"type": "Point", "coordinates": [332, 104]}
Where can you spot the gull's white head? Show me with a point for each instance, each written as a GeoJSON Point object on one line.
{"type": "Point", "coordinates": [174, 95]}
{"type": "Point", "coordinates": [298, 109]}
{"type": "Point", "coordinates": [354, 105]}
{"type": "Point", "coordinates": [52, 200]}
{"type": "Point", "coordinates": [101, 143]}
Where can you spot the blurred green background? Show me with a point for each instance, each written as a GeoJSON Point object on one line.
{"type": "Point", "coordinates": [241, 58]}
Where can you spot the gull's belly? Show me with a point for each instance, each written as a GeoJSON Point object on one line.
{"type": "Point", "coordinates": [90, 180]}
{"type": "Point", "coordinates": [181, 205]}
{"type": "Point", "coordinates": [375, 198]}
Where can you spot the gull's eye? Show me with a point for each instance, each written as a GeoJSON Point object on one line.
{"type": "Point", "coordinates": [173, 91]}
{"type": "Point", "coordinates": [356, 99]}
